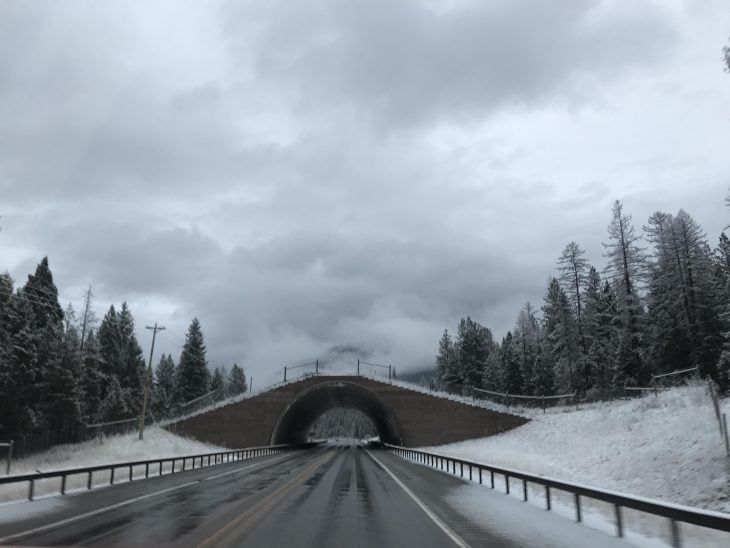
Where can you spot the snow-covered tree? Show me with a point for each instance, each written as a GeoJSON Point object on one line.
{"type": "Point", "coordinates": [560, 336]}
{"type": "Point", "coordinates": [526, 341]}
{"type": "Point", "coordinates": [218, 384]}
{"type": "Point", "coordinates": [573, 272]}
{"type": "Point", "coordinates": [193, 377]}
{"type": "Point", "coordinates": [626, 270]}
{"type": "Point", "coordinates": [63, 397]}
{"type": "Point", "coordinates": [163, 391]}
{"type": "Point", "coordinates": [237, 383]}
{"type": "Point", "coordinates": [92, 380]}
{"type": "Point", "coordinates": [447, 362]}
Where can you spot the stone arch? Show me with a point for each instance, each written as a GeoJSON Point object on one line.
{"type": "Point", "coordinates": [294, 423]}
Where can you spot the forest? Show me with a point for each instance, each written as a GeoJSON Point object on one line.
{"type": "Point", "coordinates": [59, 372]}
{"type": "Point", "coordinates": [660, 304]}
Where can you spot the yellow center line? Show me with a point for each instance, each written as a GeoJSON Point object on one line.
{"type": "Point", "coordinates": [243, 523]}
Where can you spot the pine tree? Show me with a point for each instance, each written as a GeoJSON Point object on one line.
{"type": "Point", "coordinates": [237, 384]}
{"type": "Point", "coordinates": [599, 313]}
{"type": "Point", "coordinates": [92, 380]}
{"type": "Point", "coordinates": [47, 326]}
{"type": "Point", "coordinates": [193, 377]}
{"type": "Point", "coordinates": [473, 345]}
{"type": "Point", "coordinates": [132, 370]}
{"type": "Point", "coordinates": [513, 381]}
{"type": "Point", "coordinates": [573, 269]}
{"type": "Point", "coordinates": [218, 384]}
{"type": "Point", "coordinates": [63, 395]}
{"type": "Point", "coordinates": [114, 406]}
{"type": "Point", "coordinates": [18, 367]}
{"type": "Point", "coordinates": [446, 361]}
{"type": "Point", "coordinates": [526, 340]}
{"type": "Point", "coordinates": [110, 345]}
{"type": "Point", "coordinates": [163, 392]}
{"type": "Point", "coordinates": [626, 264]}
{"type": "Point", "coordinates": [561, 340]}
{"type": "Point", "coordinates": [543, 371]}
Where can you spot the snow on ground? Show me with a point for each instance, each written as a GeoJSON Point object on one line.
{"type": "Point", "coordinates": [157, 443]}
{"type": "Point", "coordinates": [666, 447]}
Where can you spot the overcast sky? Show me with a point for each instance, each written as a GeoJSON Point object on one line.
{"type": "Point", "coordinates": [302, 175]}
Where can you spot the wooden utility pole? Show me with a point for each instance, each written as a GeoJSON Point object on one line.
{"type": "Point", "coordinates": [148, 379]}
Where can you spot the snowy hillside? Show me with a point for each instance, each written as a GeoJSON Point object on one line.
{"type": "Point", "coordinates": [157, 443]}
{"type": "Point", "coordinates": [666, 447]}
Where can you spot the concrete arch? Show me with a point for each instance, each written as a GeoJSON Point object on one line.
{"type": "Point", "coordinates": [294, 423]}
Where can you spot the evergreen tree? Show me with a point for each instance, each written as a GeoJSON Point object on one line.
{"type": "Point", "coordinates": [110, 345]}
{"type": "Point", "coordinates": [573, 271]}
{"type": "Point", "coordinates": [560, 337]}
{"type": "Point", "coordinates": [237, 384]}
{"type": "Point", "coordinates": [218, 384]}
{"type": "Point", "coordinates": [114, 406]}
{"type": "Point", "coordinates": [63, 395]}
{"type": "Point", "coordinates": [526, 341]}
{"type": "Point", "coordinates": [599, 313]}
{"type": "Point", "coordinates": [193, 377]}
{"type": "Point", "coordinates": [543, 371]}
{"type": "Point", "coordinates": [47, 326]}
{"type": "Point", "coordinates": [92, 380]}
{"type": "Point", "coordinates": [164, 387]}
{"type": "Point", "coordinates": [132, 369]}
{"type": "Point", "coordinates": [473, 345]}
{"type": "Point", "coordinates": [626, 263]}
{"type": "Point", "coordinates": [446, 362]}
{"type": "Point", "coordinates": [513, 381]}
{"type": "Point", "coordinates": [19, 370]}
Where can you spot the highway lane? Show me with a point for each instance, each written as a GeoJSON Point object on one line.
{"type": "Point", "coordinates": [342, 495]}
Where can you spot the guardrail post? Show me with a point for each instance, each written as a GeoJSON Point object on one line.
{"type": "Point", "coordinates": [63, 484]}
{"type": "Point", "coordinates": [619, 521]}
{"type": "Point", "coordinates": [147, 469]}
{"type": "Point", "coordinates": [491, 474]}
{"type": "Point", "coordinates": [111, 477]}
{"type": "Point", "coordinates": [506, 484]}
{"type": "Point", "coordinates": [547, 497]}
{"type": "Point", "coordinates": [285, 373]}
{"type": "Point", "coordinates": [462, 469]}
{"type": "Point", "coordinates": [316, 367]}
{"type": "Point", "coordinates": [578, 516]}
{"type": "Point", "coordinates": [88, 480]}
{"type": "Point", "coordinates": [31, 488]}
{"type": "Point", "coordinates": [130, 473]}
{"type": "Point", "coordinates": [160, 468]}
{"type": "Point", "coordinates": [524, 490]}
{"type": "Point", "coordinates": [676, 538]}
{"type": "Point", "coordinates": [480, 475]}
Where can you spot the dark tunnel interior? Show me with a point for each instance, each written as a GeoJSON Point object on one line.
{"type": "Point", "coordinates": [293, 426]}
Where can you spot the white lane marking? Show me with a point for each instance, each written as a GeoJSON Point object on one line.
{"type": "Point", "coordinates": [445, 528]}
{"type": "Point", "coordinates": [72, 519]}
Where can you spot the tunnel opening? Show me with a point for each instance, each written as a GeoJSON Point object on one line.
{"type": "Point", "coordinates": [342, 423]}
{"type": "Point", "coordinates": [324, 401]}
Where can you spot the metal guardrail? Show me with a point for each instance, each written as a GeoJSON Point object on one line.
{"type": "Point", "coordinates": [674, 512]}
{"type": "Point", "coordinates": [187, 462]}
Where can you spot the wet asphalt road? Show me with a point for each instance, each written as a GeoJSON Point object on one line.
{"type": "Point", "coordinates": [341, 496]}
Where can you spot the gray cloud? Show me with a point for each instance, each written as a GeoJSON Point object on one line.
{"type": "Point", "coordinates": [308, 175]}
{"type": "Point", "coordinates": [407, 63]}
